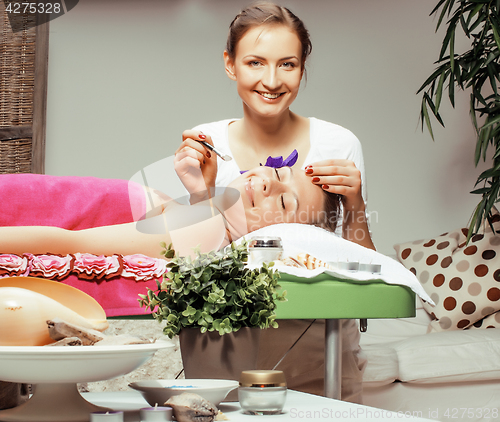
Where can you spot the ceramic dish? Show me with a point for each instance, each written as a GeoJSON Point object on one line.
{"type": "Point", "coordinates": [159, 391]}
{"type": "Point", "coordinates": [26, 303]}
{"type": "Point", "coordinates": [56, 370]}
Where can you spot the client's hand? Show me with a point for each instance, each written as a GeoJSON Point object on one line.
{"type": "Point", "coordinates": [195, 165]}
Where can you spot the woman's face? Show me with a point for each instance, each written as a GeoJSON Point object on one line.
{"type": "Point", "coordinates": [284, 195]}
{"type": "Point", "coordinates": [267, 68]}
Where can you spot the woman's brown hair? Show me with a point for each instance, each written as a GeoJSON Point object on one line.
{"type": "Point", "coordinates": [266, 13]}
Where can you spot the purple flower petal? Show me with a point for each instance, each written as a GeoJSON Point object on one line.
{"type": "Point", "coordinates": [291, 159]}
{"type": "Point", "coordinates": [275, 162]}
{"type": "Point", "coordinates": [278, 162]}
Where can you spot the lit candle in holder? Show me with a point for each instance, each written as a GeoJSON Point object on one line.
{"type": "Point", "coordinates": [111, 416]}
{"type": "Point", "coordinates": [348, 265]}
{"type": "Point", "coordinates": [156, 414]}
{"type": "Point", "coordinates": [371, 268]}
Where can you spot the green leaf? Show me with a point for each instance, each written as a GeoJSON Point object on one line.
{"type": "Point", "coordinates": [439, 90]}
{"type": "Point", "coordinates": [452, 50]}
{"type": "Point", "coordinates": [170, 253]}
{"type": "Point", "coordinates": [495, 35]}
{"type": "Point", "coordinates": [434, 76]}
{"type": "Point", "coordinates": [189, 311]}
{"type": "Point", "coordinates": [472, 112]}
{"type": "Point", "coordinates": [480, 215]}
{"type": "Point", "coordinates": [492, 72]}
{"type": "Point", "coordinates": [492, 199]}
{"type": "Point", "coordinates": [443, 11]}
{"type": "Point", "coordinates": [473, 13]}
{"type": "Point", "coordinates": [484, 139]}
{"type": "Point", "coordinates": [491, 122]}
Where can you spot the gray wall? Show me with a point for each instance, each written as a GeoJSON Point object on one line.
{"type": "Point", "coordinates": [127, 77]}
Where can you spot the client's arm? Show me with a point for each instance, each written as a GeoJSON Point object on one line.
{"type": "Point", "coordinates": [122, 239]}
{"type": "Point", "coordinates": [186, 227]}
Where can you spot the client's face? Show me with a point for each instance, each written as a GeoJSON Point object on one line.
{"type": "Point", "coordinates": [284, 195]}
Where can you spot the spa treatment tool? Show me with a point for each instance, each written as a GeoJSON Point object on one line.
{"type": "Point", "coordinates": [212, 148]}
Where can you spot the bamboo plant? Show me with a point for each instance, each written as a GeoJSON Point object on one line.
{"type": "Point", "coordinates": [477, 71]}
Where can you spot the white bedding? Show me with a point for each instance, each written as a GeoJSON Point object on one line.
{"type": "Point", "coordinates": [444, 374]}
{"type": "Point", "coordinates": [446, 402]}
{"type": "Point", "coordinates": [451, 356]}
{"type": "Point", "coordinates": [329, 247]}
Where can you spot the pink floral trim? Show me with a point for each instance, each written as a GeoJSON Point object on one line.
{"type": "Point", "coordinates": [86, 266]}
{"type": "Point", "coordinates": [13, 265]}
{"type": "Point", "coordinates": [53, 267]}
{"type": "Point", "coordinates": [142, 267]}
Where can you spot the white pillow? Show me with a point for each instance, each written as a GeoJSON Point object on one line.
{"type": "Point", "coordinates": [447, 356]}
{"type": "Point", "coordinates": [450, 356]}
{"type": "Point", "coordinates": [382, 366]}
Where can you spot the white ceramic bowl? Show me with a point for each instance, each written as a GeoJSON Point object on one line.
{"type": "Point", "coordinates": [56, 370]}
{"type": "Point", "coordinates": [159, 391]}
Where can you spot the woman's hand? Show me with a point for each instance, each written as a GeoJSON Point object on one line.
{"type": "Point", "coordinates": [342, 177]}
{"type": "Point", "coordinates": [339, 176]}
{"type": "Point", "coordinates": [195, 165]}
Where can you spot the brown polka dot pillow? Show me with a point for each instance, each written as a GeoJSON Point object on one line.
{"type": "Point", "coordinates": [491, 321]}
{"type": "Point", "coordinates": [463, 280]}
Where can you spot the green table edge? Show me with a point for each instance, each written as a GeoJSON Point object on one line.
{"type": "Point", "coordinates": [326, 297]}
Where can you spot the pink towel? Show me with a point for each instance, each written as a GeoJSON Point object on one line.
{"type": "Point", "coordinates": [118, 297]}
{"type": "Point", "coordinates": [77, 203]}
{"type": "Point", "coordinates": [69, 202]}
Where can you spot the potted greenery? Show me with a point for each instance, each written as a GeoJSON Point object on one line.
{"type": "Point", "coordinates": [476, 70]}
{"type": "Point", "coordinates": [214, 302]}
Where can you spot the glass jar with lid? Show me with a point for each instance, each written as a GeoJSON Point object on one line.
{"type": "Point", "coordinates": [262, 392]}
{"type": "Point", "coordinates": [264, 249]}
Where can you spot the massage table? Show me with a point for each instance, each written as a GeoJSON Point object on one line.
{"type": "Point", "coordinates": [324, 297]}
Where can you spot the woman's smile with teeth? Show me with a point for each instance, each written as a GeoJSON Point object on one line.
{"type": "Point", "coordinates": [269, 95]}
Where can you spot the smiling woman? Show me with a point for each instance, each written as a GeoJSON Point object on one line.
{"type": "Point", "coordinates": [266, 52]}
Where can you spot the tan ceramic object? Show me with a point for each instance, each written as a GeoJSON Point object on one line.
{"type": "Point", "coordinates": [26, 303]}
